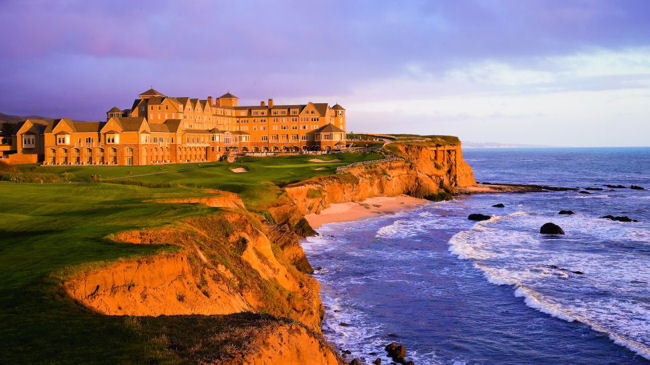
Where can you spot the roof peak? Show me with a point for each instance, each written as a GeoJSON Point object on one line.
{"type": "Point", "coordinates": [151, 92]}
{"type": "Point", "coordinates": [228, 95]}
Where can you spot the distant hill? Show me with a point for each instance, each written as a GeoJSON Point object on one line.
{"type": "Point", "coordinates": [12, 119]}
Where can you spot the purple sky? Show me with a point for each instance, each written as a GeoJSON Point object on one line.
{"type": "Point", "coordinates": [547, 72]}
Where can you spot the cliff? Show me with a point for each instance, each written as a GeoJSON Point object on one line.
{"type": "Point", "coordinates": [419, 170]}
{"type": "Point", "coordinates": [236, 261]}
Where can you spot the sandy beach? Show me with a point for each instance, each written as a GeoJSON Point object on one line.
{"type": "Point", "coordinates": [372, 207]}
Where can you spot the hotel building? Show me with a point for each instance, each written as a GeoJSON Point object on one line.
{"type": "Point", "coordinates": [159, 129]}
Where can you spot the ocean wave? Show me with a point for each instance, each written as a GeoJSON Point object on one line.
{"type": "Point", "coordinates": [571, 273]}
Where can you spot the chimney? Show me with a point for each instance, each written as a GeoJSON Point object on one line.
{"type": "Point", "coordinates": [262, 103]}
{"type": "Point", "coordinates": [210, 101]}
{"type": "Point", "coordinates": [270, 103]}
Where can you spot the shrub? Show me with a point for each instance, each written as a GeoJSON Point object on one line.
{"type": "Point", "coordinates": [439, 196]}
{"type": "Point", "coordinates": [304, 229]}
{"type": "Point", "coordinates": [314, 193]}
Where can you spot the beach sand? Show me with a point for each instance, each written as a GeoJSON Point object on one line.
{"type": "Point", "coordinates": [372, 207]}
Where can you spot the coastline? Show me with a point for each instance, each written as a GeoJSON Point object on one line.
{"type": "Point", "coordinates": [371, 207]}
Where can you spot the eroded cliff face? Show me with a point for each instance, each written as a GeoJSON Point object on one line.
{"type": "Point", "coordinates": [227, 265]}
{"type": "Point", "coordinates": [420, 171]}
{"type": "Point", "coordinates": [235, 261]}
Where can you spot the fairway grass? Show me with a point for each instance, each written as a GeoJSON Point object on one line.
{"type": "Point", "coordinates": [48, 231]}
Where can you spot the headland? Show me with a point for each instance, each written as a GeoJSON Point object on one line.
{"type": "Point", "coordinates": [158, 258]}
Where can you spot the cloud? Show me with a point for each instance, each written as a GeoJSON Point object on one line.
{"type": "Point", "coordinates": [76, 58]}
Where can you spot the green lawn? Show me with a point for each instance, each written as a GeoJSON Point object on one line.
{"type": "Point", "coordinates": [50, 230]}
{"type": "Point", "coordinates": [257, 187]}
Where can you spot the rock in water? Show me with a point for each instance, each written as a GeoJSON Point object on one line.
{"type": "Point", "coordinates": [355, 362]}
{"type": "Point", "coordinates": [636, 187]}
{"type": "Point", "coordinates": [584, 192]}
{"type": "Point", "coordinates": [396, 352]}
{"type": "Point", "coordinates": [615, 186]}
{"type": "Point", "coordinates": [551, 228]}
{"type": "Point", "coordinates": [567, 212]}
{"type": "Point", "coordinates": [478, 217]}
{"type": "Point", "coordinates": [377, 362]}
{"type": "Point", "coordinates": [500, 205]}
{"type": "Point", "coordinates": [619, 218]}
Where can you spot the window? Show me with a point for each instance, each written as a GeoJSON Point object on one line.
{"type": "Point", "coordinates": [303, 126]}
{"type": "Point", "coordinates": [64, 139]}
{"type": "Point", "coordinates": [314, 119]}
{"type": "Point", "coordinates": [265, 138]}
{"type": "Point", "coordinates": [89, 140]}
{"type": "Point", "coordinates": [304, 137]}
{"type": "Point", "coordinates": [29, 141]}
{"type": "Point", "coordinates": [295, 137]}
{"type": "Point", "coordinates": [113, 138]}
{"type": "Point", "coordinates": [275, 137]}
{"type": "Point", "coordinates": [294, 127]}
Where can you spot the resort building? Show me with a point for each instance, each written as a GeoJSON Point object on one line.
{"type": "Point", "coordinates": [159, 129]}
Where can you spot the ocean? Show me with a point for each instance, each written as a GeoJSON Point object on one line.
{"type": "Point", "coordinates": [453, 291]}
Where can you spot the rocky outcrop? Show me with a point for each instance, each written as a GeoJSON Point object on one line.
{"type": "Point", "coordinates": [227, 264]}
{"type": "Point", "coordinates": [419, 171]}
{"type": "Point", "coordinates": [236, 261]}
{"type": "Point", "coordinates": [290, 345]}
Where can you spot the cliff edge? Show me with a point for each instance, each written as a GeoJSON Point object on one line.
{"type": "Point", "coordinates": [236, 261]}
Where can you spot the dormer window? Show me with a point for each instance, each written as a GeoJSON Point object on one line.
{"type": "Point", "coordinates": [63, 139]}
{"type": "Point", "coordinates": [112, 138]}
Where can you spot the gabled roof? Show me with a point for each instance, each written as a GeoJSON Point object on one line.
{"type": "Point", "coordinates": [338, 107]}
{"type": "Point", "coordinates": [172, 125]}
{"type": "Point", "coordinates": [88, 126]}
{"type": "Point", "coordinates": [321, 108]}
{"type": "Point", "coordinates": [57, 122]}
{"type": "Point", "coordinates": [182, 99]}
{"type": "Point", "coordinates": [155, 127]}
{"type": "Point", "coordinates": [329, 128]}
{"type": "Point", "coordinates": [228, 95]}
{"type": "Point", "coordinates": [151, 92]}
{"type": "Point", "coordinates": [39, 125]}
{"type": "Point", "coordinates": [131, 124]}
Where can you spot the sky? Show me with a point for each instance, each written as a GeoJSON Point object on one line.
{"type": "Point", "coordinates": [537, 72]}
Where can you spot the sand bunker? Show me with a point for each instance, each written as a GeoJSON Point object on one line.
{"type": "Point", "coordinates": [321, 161]}
{"type": "Point", "coordinates": [239, 170]}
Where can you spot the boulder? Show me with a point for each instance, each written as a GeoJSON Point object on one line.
{"type": "Point", "coordinates": [551, 228]}
{"type": "Point", "coordinates": [377, 361]}
{"type": "Point", "coordinates": [500, 205]}
{"type": "Point", "coordinates": [478, 217]}
{"type": "Point", "coordinates": [636, 187]}
{"type": "Point", "coordinates": [566, 212]}
{"type": "Point", "coordinates": [355, 362]}
{"type": "Point", "coordinates": [619, 218]}
{"type": "Point", "coordinates": [396, 352]}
